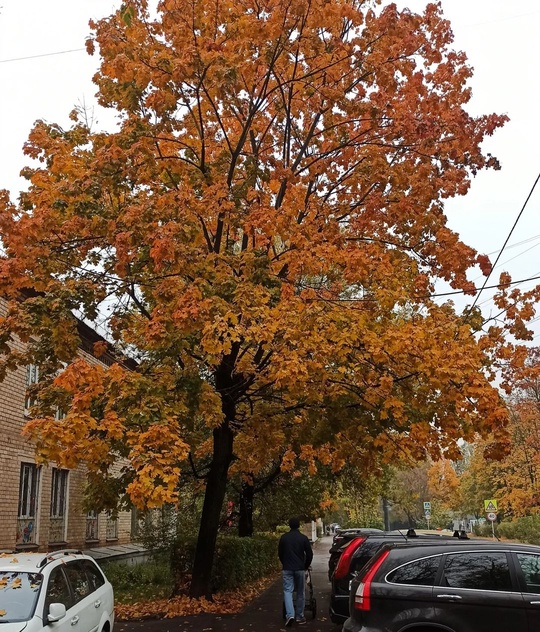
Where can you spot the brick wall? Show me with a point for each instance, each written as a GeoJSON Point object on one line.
{"type": "Point", "coordinates": [15, 450]}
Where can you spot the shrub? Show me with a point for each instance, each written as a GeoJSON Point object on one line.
{"type": "Point", "coordinates": [237, 561]}
{"type": "Point", "coordinates": [485, 530]}
{"type": "Point", "coordinates": [525, 529]}
{"type": "Point", "coordinates": [145, 580]}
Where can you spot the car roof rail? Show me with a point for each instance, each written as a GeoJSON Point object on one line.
{"type": "Point", "coordinates": [49, 557]}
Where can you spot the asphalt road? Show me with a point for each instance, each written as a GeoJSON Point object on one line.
{"type": "Point", "coordinates": [262, 614]}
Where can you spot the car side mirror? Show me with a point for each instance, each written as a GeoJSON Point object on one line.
{"type": "Point", "coordinates": [57, 611]}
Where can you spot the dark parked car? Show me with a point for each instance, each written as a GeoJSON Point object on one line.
{"type": "Point", "coordinates": [356, 553]}
{"type": "Point", "coordinates": [341, 540]}
{"type": "Point", "coordinates": [342, 534]}
{"type": "Point", "coordinates": [474, 586]}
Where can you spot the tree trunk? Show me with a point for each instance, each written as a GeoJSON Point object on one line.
{"type": "Point", "coordinates": [227, 384]}
{"type": "Point", "coordinates": [201, 583]}
{"type": "Point", "coordinates": [245, 523]}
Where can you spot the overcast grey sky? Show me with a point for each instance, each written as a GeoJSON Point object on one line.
{"type": "Point", "coordinates": [501, 39]}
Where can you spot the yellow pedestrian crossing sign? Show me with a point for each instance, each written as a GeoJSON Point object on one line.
{"type": "Point", "coordinates": [490, 505]}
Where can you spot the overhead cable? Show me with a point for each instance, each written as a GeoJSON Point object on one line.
{"type": "Point", "coordinates": [60, 52]}
{"type": "Point", "coordinates": [506, 242]}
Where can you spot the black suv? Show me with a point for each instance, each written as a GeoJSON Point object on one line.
{"type": "Point", "coordinates": [356, 553]}
{"type": "Point", "coordinates": [341, 540]}
{"type": "Point", "coordinates": [469, 586]}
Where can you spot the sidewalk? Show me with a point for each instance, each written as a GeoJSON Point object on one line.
{"type": "Point", "coordinates": [261, 615]}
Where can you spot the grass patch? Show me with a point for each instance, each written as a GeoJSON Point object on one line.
{"type": "Point", "coordinates": [146, 581]}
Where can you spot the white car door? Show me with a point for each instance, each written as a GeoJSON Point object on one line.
{"type": "Point", "coordinates": [58, 591]}
{"type": "Point", "coordinates": [86, 614]}
{"type": "Point", "coordinates": [102, 592]}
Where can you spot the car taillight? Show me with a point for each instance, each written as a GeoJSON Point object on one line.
{"type": "Point", "coordinates": [362, 599]}
{"type": "Point", "coordinates": [344, 562]}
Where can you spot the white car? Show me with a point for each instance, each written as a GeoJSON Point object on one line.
{"type": "Point", "coordinates": [60, 591]}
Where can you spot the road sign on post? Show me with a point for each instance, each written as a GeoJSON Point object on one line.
{"type": "Point", "coordinates": [490, 506]}
{"type": "Point", "coordinates": [492, 516]}
{"type": "Point", "coordinates": [427, 505]}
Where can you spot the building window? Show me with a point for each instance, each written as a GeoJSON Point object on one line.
{"type": "Point", "coordinates": [112, 527]}
{"type": "Point", "coordinates": [32, 374]}
{"type": "Point", "coordinates": [28, 504]}
{"type": "Point", "coordinates": [135, 523]}
{"type": "Point", "coordinates": [92, 533]}
{"type": "Point", "coordinates": [32, 379]}
{"type": "Point", "coordinates": [59, 490]}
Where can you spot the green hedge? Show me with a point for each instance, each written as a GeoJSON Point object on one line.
{"type": "Point", "coordinates": [143, 581]}
{"type": "Point", "coordinates": [237, 561]}
{"type": "Point", "coordinates": [522, 529]}
{"type": "Point", "coordinates": [484, 530]}
{"type": "Point", "coordinates": [525, 529]}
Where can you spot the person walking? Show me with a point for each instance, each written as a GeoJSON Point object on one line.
{"type": "Point", "coordinates": [295, 555]}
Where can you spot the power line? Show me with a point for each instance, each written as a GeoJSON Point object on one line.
{"type": "Point", "coordinates": [486, 287]}
{"type": "Point", "coordinates": [506, 242]}
{"type": "Point", "coordinates": [438, 294]}
{"type": "Point", "coordinates": [511, 259]}
{"type": "Point", "coordinates": [60, 52]}
{"type": "Point", "coordinates": [518, 243]}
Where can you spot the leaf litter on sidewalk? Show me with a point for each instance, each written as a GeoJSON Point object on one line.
{"type": "Point", "coordinates": [183, 605]}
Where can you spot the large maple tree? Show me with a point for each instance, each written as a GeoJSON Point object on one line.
{"type": "Point", "coordinates": [262, 232]}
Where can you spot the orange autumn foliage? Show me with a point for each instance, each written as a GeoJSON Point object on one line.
{"type": "Point", "coordinates": [263, 231]}
{"type": "Point", "coordinates": [443, 483]}
{"type": "Point", "coordinates": [514, 479]}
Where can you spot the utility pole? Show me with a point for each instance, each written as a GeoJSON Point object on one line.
{"type": "Point", "coordinates": [386, 516]}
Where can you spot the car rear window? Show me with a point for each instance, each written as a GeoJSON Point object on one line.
{"type": "Point", "coordinates": [419, 573]}
{"type": "Point", "coordinates": [530, 565]}
{"type": "Point", "coordinates": [487, 570]}
{"type": "Point", "coordinates": [364, 554]}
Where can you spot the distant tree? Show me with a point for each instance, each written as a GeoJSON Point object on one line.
{"type": "Point", "coordinates": [480, 481]}
{"type": "Point", "coordinates": [359, 494]}
{"type": "Point", "coordinates": [519, 471]}
{"type": "Point", "coordinates": [513, 477]}
{"type": "Point", "coordinates": [443, 484]}
{"type": "Point", "coordinates": [408, 489]}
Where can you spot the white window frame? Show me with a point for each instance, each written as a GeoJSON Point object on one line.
{"type": "Point", "coordinates": [59, 492]}
{"type": "Point", "coordinates": [32, 378]}
{"type": "Point", "coordinates": [92, 520]}
{"type": "Point", "coordinates": [111, 528]}
{"type": "Point", "coordinates": [28, 501]}
{"type": "Point", "coordinates": [59, 500]}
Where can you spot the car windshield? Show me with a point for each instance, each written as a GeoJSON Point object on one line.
{"type": "Point", "coordinates": [18, 595]}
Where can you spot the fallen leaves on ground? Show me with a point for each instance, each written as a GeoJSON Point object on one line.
{"type": "Point", "coordinates": [222, 603]}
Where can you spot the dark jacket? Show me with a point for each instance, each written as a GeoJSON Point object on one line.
{"type": "Point", "coordinates": [294, 551]}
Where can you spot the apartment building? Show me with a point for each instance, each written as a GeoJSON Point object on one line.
{"type": "Point", "coordinates": [41, 506]}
